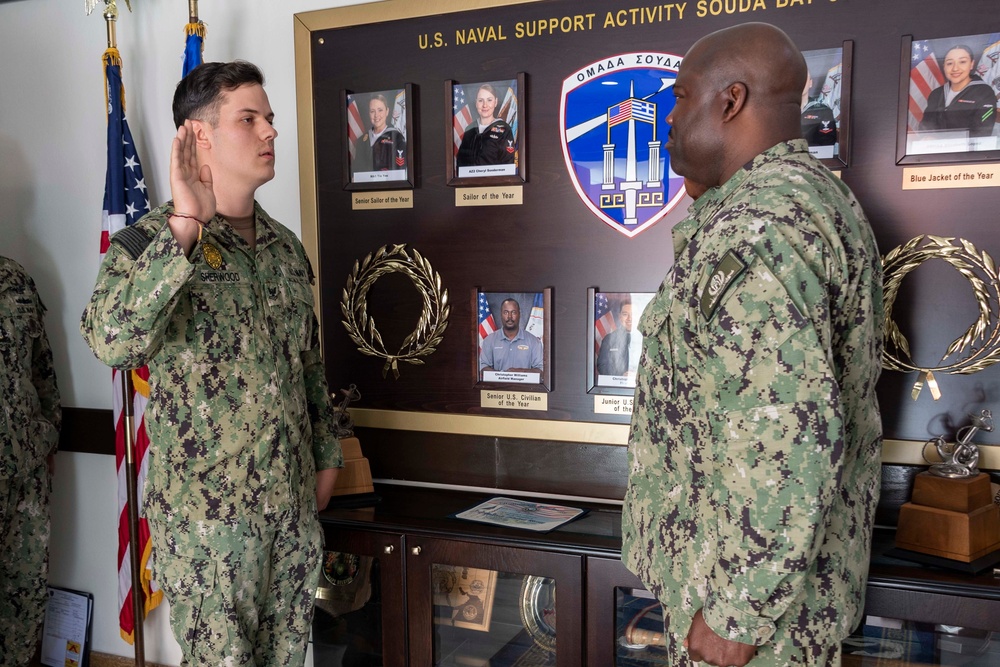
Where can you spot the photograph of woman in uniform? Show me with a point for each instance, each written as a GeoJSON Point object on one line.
{"type": "Point", "coordinates": [485, 125]}
{"type": "Point", "coordinates": [377, 136]}
{"type": "Point", "coordinates": [821, 99]}
{"type": "Point", "coordinates": [954, 85]}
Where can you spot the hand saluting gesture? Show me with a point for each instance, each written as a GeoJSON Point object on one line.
{"type": "Point", "coordinates": [190, 188]}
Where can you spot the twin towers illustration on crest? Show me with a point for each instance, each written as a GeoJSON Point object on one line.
{"type": "Point", "coordinates": [631, 193]}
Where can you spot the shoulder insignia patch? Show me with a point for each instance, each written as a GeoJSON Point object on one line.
{"type": "Point", "coordinates": [725, 273]}
{"type": "Point", "coordinates": [133, 240]}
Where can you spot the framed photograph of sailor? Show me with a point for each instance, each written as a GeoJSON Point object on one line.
{"type": "Point", "coordinates": [378, 135]}
{"type": "Point", "coordinates": [948, 90]}
{"type": "Point", "coordinates": [512, 339]}
{"type": "Point", "coordinates": [485, 132]}
{"type": "Point", "coordinates": [826, 103]}
{"type": "Point", "coordinates": [614, 341]}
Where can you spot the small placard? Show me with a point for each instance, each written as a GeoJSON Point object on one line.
{"type": "Point", "coordinates": [514, 400]}
{"type": "Point", "coordinates": [956, 176]}
{"type": "Point", "coordinates": [363, 201]}
{"type": "Point", "coordinates": [501, 195]}
{"type": "Point", "coordinates": [527, 377]}
{"type": "Point", "coordinates": [613, 405]}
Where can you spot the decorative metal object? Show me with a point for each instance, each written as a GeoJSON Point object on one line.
{"type": "Point", "coordinates": [427, 335]}
{"type": "Point", "coordinates": [343, 422]}
{"type": "Point", "coordinates": [981, 272]}
{"type": "Point", "coordinates": [538, 610]}
{"type": "Point", "coordinates": [961, 459]}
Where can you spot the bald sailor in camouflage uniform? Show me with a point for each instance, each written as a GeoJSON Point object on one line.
{"type": "Point", "coordinates": [754, 451]}
{"type": "Point", "coordinates": [215, 297]}
{"type": "Point", "coordinates": [29, 434]}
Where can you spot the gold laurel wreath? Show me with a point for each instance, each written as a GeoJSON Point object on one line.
{"type": "Point", "coordinates": [981, 272]}
{"type": "Point", "coordinates": [425, 338]}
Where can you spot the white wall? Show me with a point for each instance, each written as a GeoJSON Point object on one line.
{"type": "Point", "coordinates": [52, 162]}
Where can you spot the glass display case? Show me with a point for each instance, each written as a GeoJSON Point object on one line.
{"type": "Point", "coordinates": [480, 605]}
{"type": "Point", "coordinates": [357, 620]}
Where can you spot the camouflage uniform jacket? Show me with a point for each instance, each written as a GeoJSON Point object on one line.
{"type": "Point", "coordinates": [239, 415]}
{"type": "Point", "coordinates": [755, 444]}
{"type": "Point", "coordinates": [31, 416]}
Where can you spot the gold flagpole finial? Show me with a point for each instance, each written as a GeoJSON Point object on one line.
{"type": "Point", "coordinates": [193, 11]}
{"type": "Point", "coordinates": [111, 7]}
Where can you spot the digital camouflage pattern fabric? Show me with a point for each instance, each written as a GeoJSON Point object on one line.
{"type": "Point", "coordinates": [29, 433]}
{"type": "Point", "coordinates": [754, 451]}
{"type": "Point", "coordinates": [239, 415]}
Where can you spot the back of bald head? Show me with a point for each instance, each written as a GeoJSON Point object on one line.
{"type": "Point", "coordinates": [764, 59]}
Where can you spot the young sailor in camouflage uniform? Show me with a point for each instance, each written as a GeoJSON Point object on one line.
{"type": "Point", "coordinates": [755, 441]}
{"type": "Point", "coordinates": [215, 297]}
{"type": "Point", "coordinates": [29, 434]}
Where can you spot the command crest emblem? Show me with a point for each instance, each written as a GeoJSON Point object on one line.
{"type": "Point", "coordinates": [613, 127]}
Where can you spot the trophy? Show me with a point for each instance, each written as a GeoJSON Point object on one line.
{"type": "Point", "coordinates": [951, 513]}
{"type": "Point", "coordinates": [354, 482]}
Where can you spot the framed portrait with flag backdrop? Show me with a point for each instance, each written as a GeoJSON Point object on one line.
{"type": "Point", "coordinates": [485, 132]}
{"type": "Point", "coordinates": [615, 340]}
{"type": "Point", "coordinates": [513, 339]}
{"type": "Point", "coordinates": [948, 92]}
{"type": "Point", "coordinates": [378, 130]}
{"type": "Point", "coordinates": [826, 103]}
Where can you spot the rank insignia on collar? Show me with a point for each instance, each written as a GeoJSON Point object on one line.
{"type": "Point", "coordinates": [725, 273]}
{"type": "Point", "coordinates": [212, 255]}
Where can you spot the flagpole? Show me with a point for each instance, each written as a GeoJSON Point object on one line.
{"type": "Point", "coordinates": [135, 557]}
{"type": "Point", "coordinates": [192, 11]}
{"type": "Point", "coordinates": [128, 418]}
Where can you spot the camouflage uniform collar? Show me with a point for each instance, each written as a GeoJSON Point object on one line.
{"type": "Point", "coordinates": [230, 238]}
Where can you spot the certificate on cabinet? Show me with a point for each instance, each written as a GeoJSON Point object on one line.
{"type": "Point", "coordinates": [513, 513]}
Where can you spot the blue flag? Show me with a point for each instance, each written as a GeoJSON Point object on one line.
{"type": "Point", "coordinates": [193, 47]}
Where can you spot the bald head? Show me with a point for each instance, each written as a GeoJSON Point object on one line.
{"type": "Point", "coordinates": [746, 82]}
{"type": "Point", "coordinates": [758, 54]}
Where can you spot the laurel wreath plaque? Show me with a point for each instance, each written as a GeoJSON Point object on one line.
{"type": "Point", "coordinates": [427, 335]}
{"type": "Point", "coordinates": [980, 344]}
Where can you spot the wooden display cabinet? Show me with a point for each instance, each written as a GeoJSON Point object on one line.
{"type": "Point", "coordinates": [584, 599]}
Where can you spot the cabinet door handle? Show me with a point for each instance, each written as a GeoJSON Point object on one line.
{"type": "Point", "coordinates": [388, 549]}
{"type": "Point", "coordinates": [415, 551]}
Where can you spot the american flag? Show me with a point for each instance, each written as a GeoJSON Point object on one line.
{"type": "Point", "coordinates": [194, 46]}
{"type": "Point", "coordinates": [486, 323]}
{"type": "Point", "coordinates": [604, 320]}
{"type": "Point", "coordinates": [620, 113]}
{"type": "Point", "coordinates": [462, 117]}
{"type": "Point", "coordinates": [125, 201]}
{"type": "Point", "coordinates": [925, 76]}
{"type": "Point", "coordinates": [355, 125]}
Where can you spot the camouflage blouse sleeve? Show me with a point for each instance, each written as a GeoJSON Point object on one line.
{"type": "Point", "coordinates": [136, 290]}
{"type": "Point", "coordinates": [778, 446]}
{"type": "Point", "coordinates": [43, 376]}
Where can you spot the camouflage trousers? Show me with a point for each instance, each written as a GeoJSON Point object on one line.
{"type": "Point", "coordinates": [240, 593]}
{"type": "Point", "coordinates": [24, 564]}
{"type": "Point", "coordinates": [778, 652]}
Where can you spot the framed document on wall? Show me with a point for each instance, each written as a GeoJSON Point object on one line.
{"type": "Point", "coordinates": [616, 342]}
